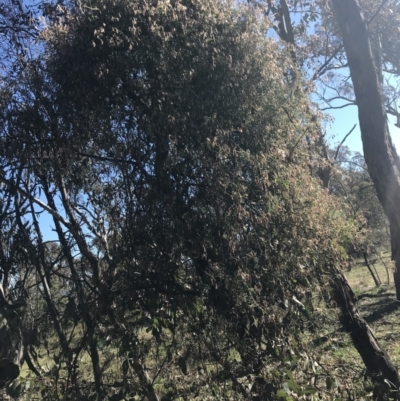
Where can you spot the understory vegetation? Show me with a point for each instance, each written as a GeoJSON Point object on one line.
{"type": "Point", "coordinates": [328, 366]}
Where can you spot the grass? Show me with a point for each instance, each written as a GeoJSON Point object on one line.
{"type": "Point", "coordinates": [360, 278]}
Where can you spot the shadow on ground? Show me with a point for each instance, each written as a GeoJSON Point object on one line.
{"type": "Point", "coordinates": [378, 310]}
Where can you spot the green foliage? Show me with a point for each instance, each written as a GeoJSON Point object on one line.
{"type": "Point", "coordinates": [351, 182]}
{"type": "Point", "coordinates": [169, 142]}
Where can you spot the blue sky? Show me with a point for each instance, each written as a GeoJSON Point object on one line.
{"type": "Point", "coordinates": [345, 119]}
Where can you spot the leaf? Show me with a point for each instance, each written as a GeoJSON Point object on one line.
{"type": "Point", "coordinates": [294, 387]}
{"type": "Point", "coordinates": [182, 365]}
{"type": "Point", "coordinates": [329, 382]}
{"type": "Point", "coordinates": [198, 306]}
{"type": "Point", "coordinates": [289, 375]}
{"type": "Point", "coordinates": [125, 367]}
{"type": "Point", "coordinates": [286, 388]}
{"type": "Point", "coordinates": [292, 384]}
{"type": "Point", "coordinates": [302, 308]}
{"type": "Point", "coordinates": [306, 312]}
{"type": "Point", "coordinates": [310, 390]}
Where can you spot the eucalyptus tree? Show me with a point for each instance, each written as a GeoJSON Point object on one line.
{"type": "Point", "coordinates": [312, 33]}
{"type": "Point", "coordinates": [380, 154]}
{"type": "Point", "coordinates": [168, 144]}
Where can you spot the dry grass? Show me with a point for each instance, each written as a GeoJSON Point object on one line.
{"type": "Point", "coordinates": [360, 278]}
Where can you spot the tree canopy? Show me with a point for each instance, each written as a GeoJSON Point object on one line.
{"type": "Point", "coordinates": [175, 151]}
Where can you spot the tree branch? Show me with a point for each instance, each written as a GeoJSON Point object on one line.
{"type": "Point", "coordinates": [322, 69]}
{"type": "Point", "coordinates": [343, 140]}
{"type": "Point", "coordinates": [45, 207]}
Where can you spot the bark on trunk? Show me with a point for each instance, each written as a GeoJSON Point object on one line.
{"type": "Point", "coordinates": [380, 155]}
{"type": "Point", "coordinates": [395, 245]}
{"type": "Point", "coordinates": [11, 348]}
{"type": "Point", "coordinates": [375, 358]}
{"type": "Point", "coordinates": [375, 278]}
{"type": "Point", "coordinates": [94, 355]}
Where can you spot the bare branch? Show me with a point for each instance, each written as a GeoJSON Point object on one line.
{"type": "Point", "coordinates": [323, 68]}
{"type": "Point", "coordinates": [45, 207]}
{"type": "Point", "coordinates": [338, 107]}
{"type": "Point", "coordinates": [343, 140]}
{"type": "Point", "coordinates": [377, 11]}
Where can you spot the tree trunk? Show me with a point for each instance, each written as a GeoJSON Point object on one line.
{"type": "Point", "coordinates": [375, 278]}
{"type": "Point", "coordinates": [375, 359]}
{"type": "Point", "coordinates": [11, 347]}
{"type": "Point", "coordinates": [395, 245]}
{"type": "Point", "coordinates": [380, 155]}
